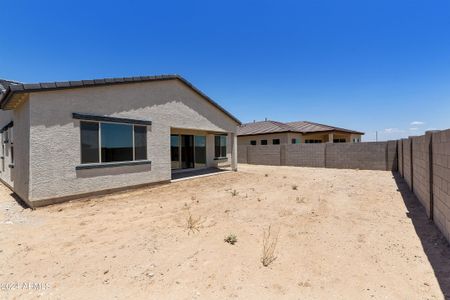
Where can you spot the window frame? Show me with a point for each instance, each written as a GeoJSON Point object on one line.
{"type": "Point", "coordinates": [276, 142]}
{"type": "Point", "coordinates": [253, 143]}
{"type": "Point", "coordinates": [100, 163]}
{"type": "Point", "coordinates": [265, 142]}
{"type": "Point", "coordinates": [220, 136]}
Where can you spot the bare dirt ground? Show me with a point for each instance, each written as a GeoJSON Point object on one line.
{"type": "Point", "coordinates": [343, 234]}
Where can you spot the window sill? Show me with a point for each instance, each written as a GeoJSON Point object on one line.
{"type": "Point", "coordinates": [113, 164]}
{"type": "Point", "coordinates": [220, 158]}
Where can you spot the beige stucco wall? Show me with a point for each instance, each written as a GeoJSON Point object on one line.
{"type": "Point", "coordinates": [6, 174]}
{"type": "Point", "coordinates": [21, 140]}
{"type": "Point", "coordinates": [55, 135]}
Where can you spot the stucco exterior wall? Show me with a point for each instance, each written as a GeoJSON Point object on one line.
{"type": "Point", "coordinates": [6, 174]}
{"type": "Point", "coordinates": [55, 135]}
{"type": "Point", "coordinates": [21, 143]}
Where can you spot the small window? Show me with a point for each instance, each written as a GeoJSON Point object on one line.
{"type": "Point", "coordinates": [295, 141]}
{"type": "Point", "coordinates": [253, 143]}
{"type": "Point", "coordinates": [338, 140]}
{"type": "Point", "coordinates": [263, 142]}
{"type": "Point", "coordinates": [312, 141]}
{"type": "Point", "coordinates": [275, 141]}
{"type": "Point", "coordinates": [220, 147]}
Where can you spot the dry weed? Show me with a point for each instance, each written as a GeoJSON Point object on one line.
{"type": "Point", "coordinates": [270, 241]}
{"type": "Point", "coordinates": [193, 224]}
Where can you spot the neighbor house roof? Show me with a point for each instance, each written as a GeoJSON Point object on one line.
{"type": "Point", "coordinates": [4, 83]}
{"type": "Point", "coordinates": [265, 127]}
{"type": "Point", "coordinates": [14, 89]}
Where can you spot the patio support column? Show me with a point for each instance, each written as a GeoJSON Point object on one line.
{"type": "Point", "coordinates": [330, 137]}
{"type": "Point", "coordinates": [233, 138]}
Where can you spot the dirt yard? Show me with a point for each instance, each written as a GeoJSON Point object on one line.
{"type": "Point", "coordinates": [343, 234]}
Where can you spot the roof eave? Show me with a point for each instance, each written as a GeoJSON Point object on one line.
{"type": "Point", "coordinates": [33, 88]}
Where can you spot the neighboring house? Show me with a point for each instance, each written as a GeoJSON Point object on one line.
{"type": "Point", "coordinates": [274, 133]}
{"type": "Point", "coordinates": [64, 140]}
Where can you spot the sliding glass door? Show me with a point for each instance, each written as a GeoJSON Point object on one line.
{"type": "Point", "coordinates": [200, 151]}
{"type": "Point", "coordinates": [187, 151]}
{"type": "Point", "coordinates": [175, 151]}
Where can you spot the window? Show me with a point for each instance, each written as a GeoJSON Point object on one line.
{"type": "Point", "coordinates": [276, 141]}
{"type": "Point", "coordinates": [220, 146]}
{"type": "Point", "coordinates": [253, 143]}
{"type": "Point", "coordinates": [295, 141]}
{"type": "Point", "coordinates": [338, 140]}
{"type": "Point", "coordinates": [112, 142]}
{"type": "Point", "coordinates": [310, 141]}
{"type": "Point", "coordinates": [263, 142]}
{"type": "Point", "coordinates": [140, 142]}
{"type": "Point", "coordinates": [89, 142]}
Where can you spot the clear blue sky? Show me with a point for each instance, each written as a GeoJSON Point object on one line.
{"type": "Point", "coordinates": [365, 65]}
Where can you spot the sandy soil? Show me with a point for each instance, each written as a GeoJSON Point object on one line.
{"type": "Point", "coordinates": [342, 234]}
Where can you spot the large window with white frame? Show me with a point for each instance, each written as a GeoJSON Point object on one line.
{"type": "Point", "coordinates": [104, 142]}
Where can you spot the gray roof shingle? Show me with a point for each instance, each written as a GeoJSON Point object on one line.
{"type": "Point", "coordinates": [12, 89]}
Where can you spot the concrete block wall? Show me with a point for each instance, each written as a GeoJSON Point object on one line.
{"type": "Point", "coordinates": [264, 155]}
{"type": "Point", "coordinates": [305, 155]}
{"type": "Point", "coordinates": [392, 155]}
{"type": "Point", "coordinates": [421, 169]}
{"type": "Point", "coordinates": [441, 181]}
{"type": "Point", "coordinates": [242, 154]}
{"type": "Point", "coordinates": [400, 157]}
{"type": "Point", "coordinates": [407, 162]}
{"type": "Point", "coordinates": [424, 163]}
{"type": "Point", "coordinates": [367, 156]}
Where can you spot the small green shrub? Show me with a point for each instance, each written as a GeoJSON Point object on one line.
{"type": "Point", "coordinates": [231, 239]}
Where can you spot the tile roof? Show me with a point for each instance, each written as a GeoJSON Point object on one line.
{"type": "Point", "coordinates": [4, 83]}
{"type": "Point", "coordinates": [265, 127]}
{"type": "Point", "coordinates": [48, 86]}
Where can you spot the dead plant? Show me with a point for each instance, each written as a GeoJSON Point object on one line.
{"type": "Point", "coordinates": [193, 224]}
{"type": "Point", "coordinates": [270, 241]}
{"type": "Point", "coordinates": [234, 193]}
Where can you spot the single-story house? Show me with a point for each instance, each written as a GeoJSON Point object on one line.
{"type": "Point", "coordinates": [273, 133]}
{"type": "Point", "coordinates": [65, 140]}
